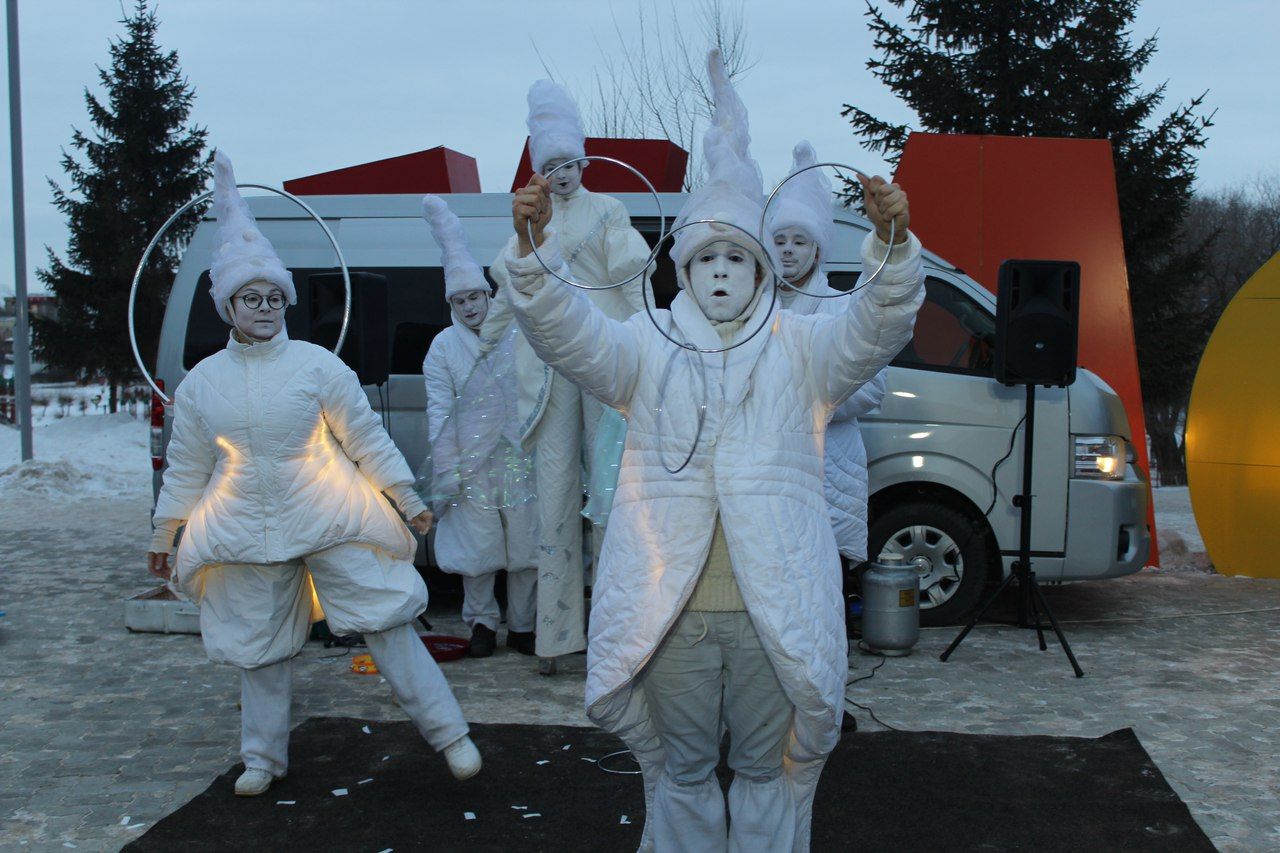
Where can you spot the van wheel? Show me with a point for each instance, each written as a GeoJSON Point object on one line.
{"type": "Point", "coordinates": [948, 549]}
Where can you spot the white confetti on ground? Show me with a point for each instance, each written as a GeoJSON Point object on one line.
{"type": "Point", "coordinates": [364, 781]}
{"type": "Point", "coordinates": [531, 814]}
{"type": "Point", "coordinates": [365, 729]}
{"type": "Point", "coordinates": [625, 820]}
{"type": "Point", "coordinates": [543, 761]}
{"type": "Point", "coordinates": [286, 802]}
{"type": "Point", "coordinates": [469, 815]}
{"type": "Point", "coordinates": [339, 792]}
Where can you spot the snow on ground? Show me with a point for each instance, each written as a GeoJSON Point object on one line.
{"type": "Point", "coordinates": [1181, 546]}
{"type": "Point", "coordinates": [99, 456]}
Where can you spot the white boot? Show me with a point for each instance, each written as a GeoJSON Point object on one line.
{"type": "Point", "coordinates": [253, 782]}
{"type": "Point", "coordinates": [463, 758]}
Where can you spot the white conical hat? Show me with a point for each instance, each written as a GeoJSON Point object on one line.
{"type": "Point", "coordinates": [555, 129]}
{"type": "Point", "coordinates": [461, 272]}
{"type": "Point", "coordinates": [804, 202]}
{"type": "Point", "coordinates": [243, 254]}
{"type": "Point", "coordinates": [733, 191]}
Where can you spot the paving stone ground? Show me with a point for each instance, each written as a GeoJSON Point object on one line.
{"type": "Point", "coordinates": [104, 732]}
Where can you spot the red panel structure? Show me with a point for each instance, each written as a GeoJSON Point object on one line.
{"type": "Point", "coordinates": [659, 160]}
{"type": "Point", "coordinates": [980, 200]}
{"type": "Point", "coordinates": [436, 170]}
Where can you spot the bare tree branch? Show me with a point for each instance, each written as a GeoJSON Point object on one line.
{"type": "Point", "coordinates": [651, 83]}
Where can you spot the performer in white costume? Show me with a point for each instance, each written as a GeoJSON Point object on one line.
{"type": "Point", "coordinates": [482, 527]}
{"type": "Point", "coordinates": [557, 420]}
{"type": "Point", "coordinates": [717, 603]}
{"type": "Point", "coordinates": [803, 234]}
{"type": "Point", "coordinates": [277, 469]}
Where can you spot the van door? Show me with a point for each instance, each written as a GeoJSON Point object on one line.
{"type": "Point", "coordinates": [945, 434]}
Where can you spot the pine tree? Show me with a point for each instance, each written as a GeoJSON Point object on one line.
{"type": "Point", "coordinates": [141, 162]}
{"type": "Point", "coordinates": [1068, 68]}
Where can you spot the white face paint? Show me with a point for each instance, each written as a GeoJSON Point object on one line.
{"type": "Point", "coordinates": [472, 306]}
{"type": "Point", "coordinates": [263, 322]}
{"type": "Point", "coordinates": [567, 179]}
{"type": "Point", "coordinates": [797, 253]}
{"type": "Point", "coordinates": [723, 278]}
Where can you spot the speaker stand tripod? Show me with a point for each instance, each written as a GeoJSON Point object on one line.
{"type": "Point", "coordinates": [1030, 599]}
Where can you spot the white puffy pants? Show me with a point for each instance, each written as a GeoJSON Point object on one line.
{"type": "Point", "coordinates": [479, 606]}
{"type": "Point", "coordinates": [257, 617]}
{"type": "Point", "coordinates": [557, 440]}
{"type": "Point", "coordinates": [709, 673]}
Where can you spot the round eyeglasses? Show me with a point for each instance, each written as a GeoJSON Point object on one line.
{"type": "Point", "coordinates": [253, 301]}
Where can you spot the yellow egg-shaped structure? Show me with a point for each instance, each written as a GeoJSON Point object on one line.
{"type": "Point", "coordinates": [1233, 431]}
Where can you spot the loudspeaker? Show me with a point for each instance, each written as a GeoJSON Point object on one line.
{"type": "Point", "coordinates": [1037, 317]}
{"type": "Point", "coordinates": [366, 350]}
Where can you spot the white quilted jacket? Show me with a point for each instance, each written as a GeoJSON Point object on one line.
{"type": "Point", "coordinates": [600, 246]}
{"type": "Point", "coordinates": [275, 454]}
{"type": "Point", "coordinates": [846, 458]}
{"type": "Point", "coordinates": [758, 464]}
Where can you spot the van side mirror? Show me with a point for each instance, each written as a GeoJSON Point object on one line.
{"type": "Point", "coordinates": [367, 349]}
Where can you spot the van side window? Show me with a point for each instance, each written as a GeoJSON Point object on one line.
{"type": "Point", "coordinates": [416, 313]}
{"type": "Point", "coordinates": [953, 333]}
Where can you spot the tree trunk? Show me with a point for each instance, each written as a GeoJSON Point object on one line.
{"type": "Point", "coordinates": [1169, 456]}
{"type": "Point", "coordinates": [114, 398]}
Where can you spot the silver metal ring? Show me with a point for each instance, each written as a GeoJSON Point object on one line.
{"type": "Point", "coordinates": [764, 214]}
{"type": "Point", "coordinates": [146, 256]}
{"type": "Point", "coordinates": [653, 255]}
{"type": "Point", "coordinates": [773, 296]}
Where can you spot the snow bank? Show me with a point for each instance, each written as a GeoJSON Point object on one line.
{"type": "Point", "coordinates": [1181, 546]}
{"type": "Point", "coordinates": [89, 456]}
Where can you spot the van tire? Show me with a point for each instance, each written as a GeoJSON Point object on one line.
{"type": "Point", "coordinates": [942, 541]}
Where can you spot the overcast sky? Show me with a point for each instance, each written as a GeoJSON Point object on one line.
{"type": "Point", "coordinates": [293, 87]}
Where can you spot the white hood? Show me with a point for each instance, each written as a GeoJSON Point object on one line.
{"type": "Point", "coordinates": [243, 254]}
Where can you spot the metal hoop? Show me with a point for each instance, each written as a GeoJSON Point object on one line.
{"type": "Point", "coordinates": [764, 214]}
{"type": "Point", "coordinates": [773, 296]}
{"type": "Point", "coordinates": [205, 196]}
{"type": "Point", "coordinates": [653, 255]}
{"type": "Point", "coordinates": [661, 411]}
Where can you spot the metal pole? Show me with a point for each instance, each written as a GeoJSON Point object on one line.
{"type": "Point", "coordinates": [21, 331]}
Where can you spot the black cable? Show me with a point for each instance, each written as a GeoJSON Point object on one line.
{"type": "Point", "coordinates": [874, 717]}
{"type": "Point", "coordinates": [1012, 436]}
{"type": "Point", "coordinates": [866, 650]}
{"type": "Point", "coordinates": [872, 674]}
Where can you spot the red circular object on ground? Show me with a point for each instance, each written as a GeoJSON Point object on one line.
{"type": "Point", "coordinates": [445, 648]}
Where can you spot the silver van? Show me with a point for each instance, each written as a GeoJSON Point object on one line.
{"type": "Point", "coordinates": [945, 448]}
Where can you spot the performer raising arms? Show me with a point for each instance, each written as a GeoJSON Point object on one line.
{"type": "Point", "coordinates": [277, 467]}
{"type": "Point", "coordinates": [558, 421]}
{"type": "Point", "coordinates": [718, 598]}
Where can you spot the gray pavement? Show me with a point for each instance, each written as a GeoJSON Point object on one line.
{"type": "Point", "coordinates": [103, 732]}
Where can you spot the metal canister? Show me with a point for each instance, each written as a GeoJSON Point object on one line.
{"type": "Point", "coordinates": [891, 606]}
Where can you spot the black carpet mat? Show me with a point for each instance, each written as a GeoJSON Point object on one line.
{"type": "Point", "coordinates": [882, 791]}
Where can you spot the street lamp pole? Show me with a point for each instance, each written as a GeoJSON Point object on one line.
{"type": "Point", "coordinates": [21, 332]}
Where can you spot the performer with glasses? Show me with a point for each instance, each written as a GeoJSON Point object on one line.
{"type": "Point", "coordinates": [279, 471]}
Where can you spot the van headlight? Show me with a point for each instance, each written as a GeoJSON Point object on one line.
{"type": "Point", "coordinates": [1100, 457]}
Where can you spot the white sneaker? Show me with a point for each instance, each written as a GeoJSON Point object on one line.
{"type": "Point", "coordinates": [253, 782]}
{"type": "Point", "coordinates": [463, 758]}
